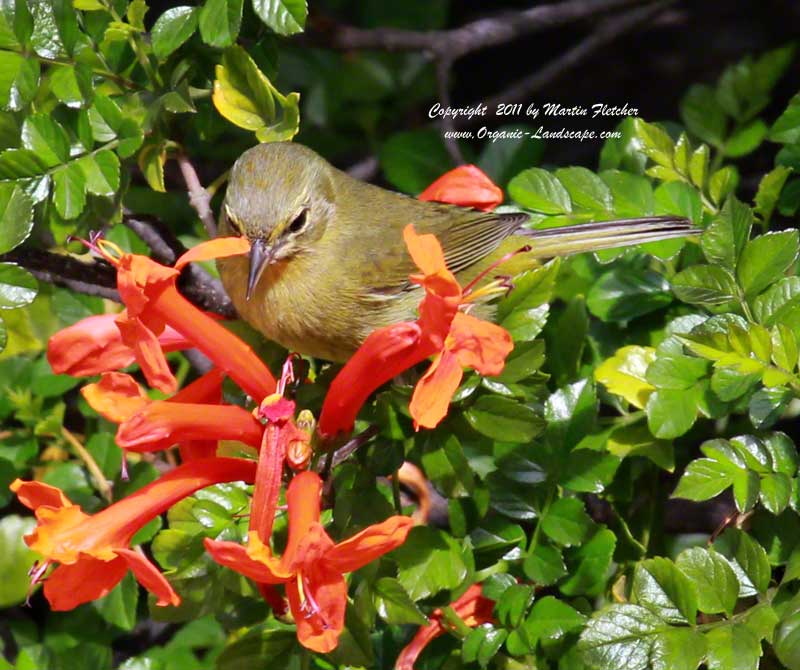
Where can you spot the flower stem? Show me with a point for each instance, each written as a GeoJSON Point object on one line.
{"type": "Point", "coordinates": [100, 481]}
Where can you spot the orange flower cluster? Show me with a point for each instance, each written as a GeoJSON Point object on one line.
{"type": "Point", "coordinates": [93, 552]}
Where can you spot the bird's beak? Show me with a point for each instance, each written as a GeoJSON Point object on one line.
{"type": "Point", "coordinates": [261, 255]}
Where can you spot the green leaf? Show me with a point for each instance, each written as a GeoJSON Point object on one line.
{"type": "Point", "coordinates": [566, 522]}
{"type": "Point", "coordinates": [550, 620]}
{"type": "Point", "coordinates": [671, 413]}
{"type": "Point", "coordinates": [69, 190]}
{"type": "Point", "coordinates": [118, 608]}
{"type": "Point", "coordinates": [678, 649]}
{"type": "Point", "coordinates": [482, 643]}
{"type": "Point", "coordinates": [704, 478]}
{"type": "Point", "coordinates": [172, 29]}
{"type": "Point", "coordinates": [101, 172]}
{"type": "Point", "coordinates": [765, 259]}
{"type": "Point", "coordinates": [713, 578]}
{"type": "Point", "coordinates": [698, 166]}
{"type": "Point", "coordinates": [656, 144]}
{"type": "Point", "coordinates": [787, 636]}
{"type": "Point", "coordinates": [502, 160]}
{"type": "Point", "coordinates": [632, 194]}
{"type": "Point", "coordinates": [676, 372]}
{"type": "Point", "coordinates": [586, 190]}
{"type": "Point", "coordinates": [776, 489]}
{"type": "Point", "coordinates": [15, 559]}
{"type": "Point", "coordinates": [777, 302]}
{"type": "Point", "coordinates": [620, 636]}
{"type": "Point", "coordinates": [704, 285]}
{"type": "Point", "coordinates": [782, 452]}
{"type": "Point", "coordinates": [678, 198]}
{"type": "Point", "coordinates": [17, 286]}
{"type": "Point", "coordinates": [587, 565]}
{"type": "Point", "coordinates": [44, 136]}
{"type": "Point", "coordinates": [623, 294]}
{"type": "Point", "coordinates": [769, 190]}
{"type": "Point", "coordinates": [748, 560]}
{"type": "Point", "coordinates": [662, 588]}
{"type": "Point", "coordinates": [504, 419]}
{"type": "Point", "coordinates": [723, 241]}
{"type": "Point", "coordinates": [220, 21]}
{"type": "Point", "coordinates": [428, 562]}
{"type": "Point", "coordinates": [540, 191]}
{"type": "Point", "coordinates": [19, 80]}
{"type": "Point", "coordinates": [260, 646]}
{"type": "Point", "coordinates": [786, 128]}
{"type": "Point", "coordinates": [246, 97]}
{"type": "Point", "coordinates": [544, 565]}
{"type": "Point", "coordinates": [746, 139]}
{"type": "Point", "coordinates": [722, 183]}
{"type": "Point", "coordinates": [703, 116]}
{"type": "Point", "coordinates": [394, 605]}
{"type": "Point", "coordinates": [72, 84]}
{"type": "Point", "coordinates": [733, 647]}
{"type": "Point", "coordinates": [16, 216]}
{"type": "Point", "coordinates": [55, 28]}
{"type": "Point", "coordinates": [411, 160]}
{"type": "Point", "coordinates": [285, 17]}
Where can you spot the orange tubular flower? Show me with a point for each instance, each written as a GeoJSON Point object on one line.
{"type": "Point", "coordinates": [147, 425]}
{"type": "Point", "coordinates": [93, 551]}
{"type": "Point", "coordinates": [94, 345]}
{"type": "Point", "coordinates": [455, 339]}
{"type": "Point", "coordinates": [472, 607]}
{"type": "Point", "coordinates": [466, 185]}
{"type": "Point", "coordinates": [153, 302]}
{"type": "Point", "coordinates": [312, 566]}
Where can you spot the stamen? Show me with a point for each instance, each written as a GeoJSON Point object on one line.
{"type": "Point", "coordinates": [308, 605]}
{"type": "Point", "coordinates": [287, 372]}
{"type": "Point", "coordinates": [104, 248]}
{"type": "Point", "coordinates": [468, 288]}
{"type": "Point", "coordinates": [35, 572]}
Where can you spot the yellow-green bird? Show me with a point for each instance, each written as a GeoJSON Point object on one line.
{"type": "Point", "coordinates": [328, 264]}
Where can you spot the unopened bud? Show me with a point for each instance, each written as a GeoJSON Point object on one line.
{"type": "Point", "coordinates": [298, 453]}
{"type": "Point", "coordinates": [306, 421]}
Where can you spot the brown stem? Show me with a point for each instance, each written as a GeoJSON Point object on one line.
{"type": "Point", "coordinates": [198, 196]}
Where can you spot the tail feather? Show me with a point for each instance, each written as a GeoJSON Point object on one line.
{"type": "Point", "coordinates": [583, 237]}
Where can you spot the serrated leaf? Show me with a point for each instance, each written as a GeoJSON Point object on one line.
{"type": "Point", "coordinates": [671, 413]}
{"type": "Point", "coordinates": [703, 116]}
{"type": "Point", "coordinates": [17, 286]}
{"type": "Point", "coordinates": [394, 605]}
{"type": "Point", "coordinates": [69, 190]}
{"type": "Point", "coordinates": [704, 478]}
{"type": "Point", "coordinates": [623, 294]}
{"type": "Point", "coordinates": [566, 522]}
{"type": "Point", "coordinates": [16, 216]}
{"type": "Point", "coordinates": [725, 238]}
{"type": "Point", "coordinates": [713, 578]}
{"type": "Point", "coordinates": [285, 17]}
{"type": "Point", "coordinates": [540, 191]}
{"type": "Point", "coordinates": [632, 194]}
{"type": "Point", "coordinates": [656, 144]}
{"type": "Point", "coordinates": [504, 419]}
{"type": "Point", "coordinates": [662, 588]}
{"type": "Point", "coordinates": [220, 21]}
{"type": "Point", "coordinates": [698, 166]}
{"type": "Point", "coordinates": [704, 285]}
{"type": "Point", "coordinates": [765, 259]}
{"type": "Point", "coordinates": [586, 190]}
{"type": "Point", "coordinates": [748, 559]}
{"type": "Point", "coordinates": [625, 374]}
{"type": "Point", "coordinates": [101, 171]}
{"type": "Point", "coordinates": [733, 647]}
{"type": "Point", "coordinates": [544, 565]}
{"type": "Point", "coordinates": [46, 138]}
{"type": "Point", "coordinates": [173, 28]}
{"type": "Point", "coordinates": [482, 643]}
{"type": "Point", "coordinates": [72, 84]}
{"type": "Point", "coordinates": [722, 183]}
{"type": "Point", "coordinates": [769, 190]}
{"type": "Point", "coordinates": [428, 562]}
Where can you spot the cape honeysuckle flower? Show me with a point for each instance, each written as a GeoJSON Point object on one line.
{"type": "Point", "coordinates": [466, 185]}
{"type": "Point", "coordinates": [94, 345]}
{"type": "Point", "coordinates": [455, 339]}
{"type": "Point", "coordinates": [93, 551]}
{"type": "Point", "coordinates": [193, 417]}
{"type": "Point", "coordinates": [312, 566]}
{"type": "Point", "coordinates": [472, 607]}
{"type": "Point", "coordinates": [153, 302]}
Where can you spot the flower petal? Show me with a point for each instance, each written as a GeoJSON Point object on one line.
{"type": "Point", "coordinates": [205, 389]}
{"type": "Point", "coordinates": [148, 353]}
{"type": "Point", "coordinates": [369, 545]}
{"type": "Point", "coordinates": [425, 251]}
{"type": "Point", "coordinates": [71, 585]}
{"type": "Point", "coordinates": [480, 345]}
{"type": "Point", "coordinates": [150, 577]}
{"type": "Point", "coordinates": [433, 392]}
{"type": "Point", "coordinates": [235, 557]}
{"type": "Point", "coordinates": [140, 280]}
{"type": "Point", "coordinates": [117, 396]}
{"type": "Point", "coordinates": [37, 494]}
{"type": "Point", "coordinates": [302, 499]}
{"type": "Point", "coordinates": [467, 186]}
{"type": "Point", "coordinates": [318, 609]}
{"type": "Point", "coordinates": [94, 345]}
{"type": "Point", "coordinates": [221, 247]}
{"type": "Point", "coordinates": [164, 423]}
{"type": "Point", "coordinates": [268, 481]}
{"type": "Point", "coordinates": [384, 354]}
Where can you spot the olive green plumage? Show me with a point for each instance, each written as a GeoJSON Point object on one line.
{"type": "Point", "coordinates": [329, 264]}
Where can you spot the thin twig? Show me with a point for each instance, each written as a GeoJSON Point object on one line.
{"type": "Point", "coordinates": [365, 169]}
{"type": "Point", "coordinates": [98, 477]}
{"type": "Point", "coordinates": [198, 196]}
{"type": "Point", "coordinates": [608, 31]}
{"type": "Point", "coordinates": [474, 36]}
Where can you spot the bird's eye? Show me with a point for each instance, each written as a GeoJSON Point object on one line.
{"type": "Point", "coordinates": [299, 221]}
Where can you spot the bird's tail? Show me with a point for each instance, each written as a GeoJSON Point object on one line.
{"type": "Point", "coordinates": [581, 237]}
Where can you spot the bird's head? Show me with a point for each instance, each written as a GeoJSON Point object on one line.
{"type": "Point", "coordinates": [280, 197]}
